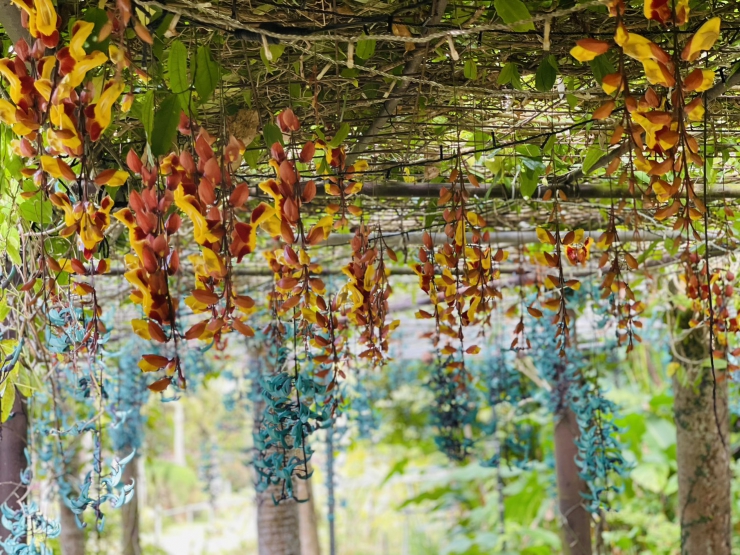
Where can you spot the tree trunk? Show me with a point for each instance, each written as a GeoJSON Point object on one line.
{"type": "Point", "coordinates": [72, 539]}
{"type": "Point", "coordinates": [702, 453]}
{"type": "Point", "coordinates": [308, 523]}
{"type": "Point", "coordinates": [130, 544]}
{"type": "Point", "coordinates": [576, 521]}
{"type": "Point", "coordinates": [13, 441]}
{"type": "Point", "coordinates": [277, 525]}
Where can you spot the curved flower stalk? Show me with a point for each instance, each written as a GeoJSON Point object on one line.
{"type": "Point", "coordinates": [655, 128]}
{"type": "Point", "coordinates": [342, 181]}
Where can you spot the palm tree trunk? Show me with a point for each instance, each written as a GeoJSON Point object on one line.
{"type": "Point", "coordinates": [308, 523]}
{"type": "Point", "coordinates": [277, 525]}
{"type": "Point", "coordinates": [72, 539]}
{"type": "Point", "coordinates": [576, 521]}
{"type": "Point", "coordinates": [130, 544]}
{"type": "Point", "coordinates": [13, 441]}
{"type": "Point", "coordinates": [700, 408]}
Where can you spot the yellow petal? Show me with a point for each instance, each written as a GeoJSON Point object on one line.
{"type": "Point", "coordinates": [704, 39]}
{"type": "Point", "coordinates": [105, 103]}
{"type": "Point", "coordinates": [46, 17]}
{"type": "Point", "coordinates": [80, 32]}
{"type": "Point", "coordinates": [141, 328]}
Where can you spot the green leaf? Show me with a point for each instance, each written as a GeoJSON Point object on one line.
{"type": "Point", "coordinates": [601, 67]}
{"type": "Point", "coordinates": [166, 120]}
{"type": "Point", "coordinates": [7, 400]}
{"type": "Point", "coordinates": [593, 155]}
{"type": "Point", "coordinates": [36, 210]}
{"type": "Point", "coordinates": [272, 135]}
{"type": "Point", "coordinates": [147, 113]}
{"type": "Point", "coordinates": [207, 75]}
{"type": "Point", "coordinates": [529, 150]}
{"type": "Point", "coordinates": [178, 73]}
{"type": "Point", "coordinates": [510, 74]}
{"type": "Point", "coordinates": [252, 154]}
{"type": "Point", "coordinates": [99, 18]}
{"type": "Point", "coordinates": [547, 149]}
{"type": "Point", "coordinates": [470, 70]}
{"type": "Point", "coordinates": [546, 74]}
{"type": "Point", "coordinates": [528, 181]}
{"type": "Point", "coordinates": [4, 308]}
{"type": "Point", "coordinates": [512, 11]}
{"type": "Point", "coordinates": [339, 136]}
{"type": "Point", "coordinates": [365, 49]}
{"type": "Point", "coordinates": [276, 50]}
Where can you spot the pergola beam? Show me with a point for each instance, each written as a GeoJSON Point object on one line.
{"type": "Point", "coordinates": [401, 189]}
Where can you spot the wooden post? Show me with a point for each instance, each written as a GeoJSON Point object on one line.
{"type": "Point", "coordinates": [700, 408]}
{"type": "Point", "coordinates": [13, 441]}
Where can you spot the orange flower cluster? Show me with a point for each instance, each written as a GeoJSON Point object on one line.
{"type": "Point", "coordinates": [367, 292]}
{"type": "Point", "coordinates": [465, 283]}
{"type": "Point", "coordinates": [655, 127]}
{"type": "Point", "coordinates": [56, 110]}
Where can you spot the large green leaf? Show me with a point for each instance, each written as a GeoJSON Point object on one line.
{"type": "Point", "coordinates": [252, 154]}
{"type": "Point", "coordinates": [512, 11]}
{"type": "Point", "coordinates": [207, 75]}
{"type": "Point", "coordinates": [601, 66]}
{"type": "Point", "coordinates": [365, 49]}
{"type": "Point", "coordinates": [510, 74]}
{"type": "Point", "coordinates": [166, 120]}
{"type": "Point", "coordinates": [178, 73]}
{"type": "Point", "coordinates": [546, 74]}
{"type": "Point", "coordinates": [36, 210]}
{"type": "Point", "coordinates": [272, 135]}
{"type": "Point", "coordinates": [593, 155]}
{"type": "Point", "coordinates": [470, 70]}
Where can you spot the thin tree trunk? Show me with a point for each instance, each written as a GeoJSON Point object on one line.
{"type": "Point", "coordinates": [575, 519]}
{"type": "Point", "coordinates": [13, 441]}
{"type": "Point", "coordinates": [72, 539]}
{"type": "Point", "coordinates": [308, 523]}
{"type": "Point", "coordinates": [702, 449]}
{"type": "Point", "coordinates": [130, 544]}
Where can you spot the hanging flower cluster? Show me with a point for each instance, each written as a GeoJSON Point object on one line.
{"type": "Point", "coordinates": [367, 292]}
{"type": "Point", "coordinates": [467, 270]}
